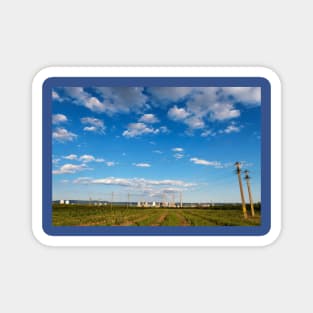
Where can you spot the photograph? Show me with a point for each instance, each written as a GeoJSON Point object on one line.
{"type": "Point", "coordinates": [156, 156]}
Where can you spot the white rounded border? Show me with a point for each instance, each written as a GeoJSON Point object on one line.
{"type": "Point", "coordinates": [156, 241]}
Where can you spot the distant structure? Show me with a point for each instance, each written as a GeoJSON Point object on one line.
{"type": "Point", "coordinates": [145, 204]}
{"type": "Point", "coordinates": [181, 199]}
{"type": "Point", "coordinates": [67, 201]}
{"type": "Point", "coordinates": [112, 199]}
{"type": "Point", "coordinates": [128, 200]}
{"type": "Point", "coordinates": [238, 171]}
{"type": "Point", "coordinates": [247, 178]}
{"type": "Point", "coordinates": [61, 201]}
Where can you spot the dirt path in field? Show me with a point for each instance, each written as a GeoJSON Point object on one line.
{"type": "Point", "coordinates": [160, 220]}
{"type": "Point", "coordinates": [182, 219]}
{"type": "Point", "coordinates": [137, 220]}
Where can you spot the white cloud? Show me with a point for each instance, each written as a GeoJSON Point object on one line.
{"type": "Point", "coordinates": [223, 111]}
{"type": "Point", "coordinates": [177, 114]}
{"type": "Point", "coordinates": [70, 157]}
{"type": "Point", "coordinates": [56, 161]}
{"type": "Point", "coordinates": [93, 124]}
{"type": "Point", "coordinates": [207, 133]}
{"type": "Point", "coordinates": [122, 99]}
{"type": "Point", "coordinates": [178, 155]}
{"type": "Point", "coordinates": [70, 169]}
{"type": "Point", "coordinates": [110, 163]}
{"type": "Point", "coordinates": [157, 151]}
{"type": "Point", "coordinates": [148, 118]}
{"type": "Point", "coordinates": [62, 135]}
{"type": "Point", "coordinates": [58, 118]}
{"type": "Point", "coordinates": [142, 164]}
{"type": "Point", "coordinates": [210, 104]}
{"type": "Point", "coordinates": [55, 95]}
{"type": "Point", "coordinates": [90, 129]}
{"type": "Point", "coordinates": [247, 95]}
{"type": "Point", "coordinates": [138, 129]}
{"type": "Point", "coordinates": [205, 162]}
{"type": "Point", "coordinates": [163, 129]}
{"type": "Point", "coordinates": [138, 183]}
{"type": "Point", "coordinates": [178, 149]}
{"type": "Point", "coordinates": [232, 129]}
{"type": "Point", "coordinates": [194, 122]}
{"type": "Point", "coordinates": [87, 158]}
{"type": "Point", "coordinates": [81, 97]}
{"type": "Point", "coordinates": [170, 93]}
{"type": "Point", "coordinates": [99, 160]}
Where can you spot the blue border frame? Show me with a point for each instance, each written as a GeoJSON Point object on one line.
{"type": "Point", "coordinates": [157, 230]}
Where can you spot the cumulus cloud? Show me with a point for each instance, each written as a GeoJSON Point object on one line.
{"type": "Point", "coordinates": [62, 135]}
{"type": "Point", "coordinates": [58, 118]}
{"type": "Point", "coordinates": [93, 124]}
{"type": "Point", "coordinates": [139, 129]}
{"type": "Point", "coordinates": [223, 111]}
{"type": "Point", "coordinates": [87, 158]}
{"type": "Point", "coordinates": [80, 97]}
{"type": "Point", "coordinates": [170, 93]}
{"type": "Point", "coordinates": [194, 122]}
{"type": "Point", "coordinates": [70, 169]}
{"type": "Point", "coordinates": [232, 129]}
{"type": "Point", "coordinates": [177, 114]}
{"type": "Point", "coordinates": [205, 104]}
{"type": "Point", "coordinates": [142, 164]}
{"type": "Point", "coordinates": [55, 95]}
{"type": "Point", "coordinates": [112, 100]}
{"type": "Point", "coordinates": [207, 132]}
{"type": "Point", "coordinates": [178, 149]}
{"type": "Point", "coordinates": [247, 95]}
{"type": "Point", "coordinates": [71, 157]}
{"type": "Point", "coordinates": [148, 119]}
{"type": "Point", "coordinates": [99, 160]}
{"type": "Point", "coordinates": [178, 155]}
{"type": "Point", "coordinates": [205, 162]}
{"type": "Point", "coordinates": [90, 129]}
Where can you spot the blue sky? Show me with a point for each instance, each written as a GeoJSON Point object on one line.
{"type": "Point", "coordinates": [152, 142]}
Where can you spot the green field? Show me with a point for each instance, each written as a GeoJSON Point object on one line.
{"type": "Point", "coordinates": [88, 215]}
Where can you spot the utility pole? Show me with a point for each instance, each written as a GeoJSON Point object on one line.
{"type": "Point", "coordinates": [247, 178]}
{"type": "Point", "coordinates": [238, 171]}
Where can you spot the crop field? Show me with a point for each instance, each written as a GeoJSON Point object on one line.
{"type": "Point", "coordinates": [88, 215]}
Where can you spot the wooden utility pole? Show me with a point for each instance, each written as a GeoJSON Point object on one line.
{"type": "Point", "coordinates": [238, 171]}
{"type": "Point", "coordinates": [247, 178]}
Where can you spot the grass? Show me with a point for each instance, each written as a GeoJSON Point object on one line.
{"type": "Point", "coordinates": [88, 215]}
